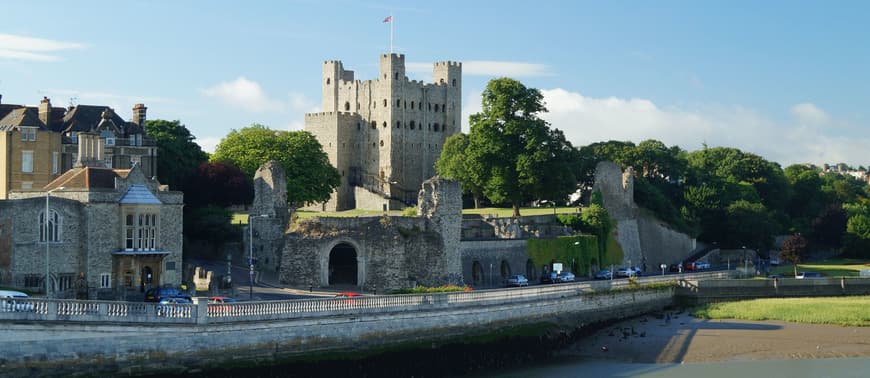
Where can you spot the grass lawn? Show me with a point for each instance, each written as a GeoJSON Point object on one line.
{"type": "Point", "coordinates": [242, 218]}
{"type": "Point", "coordinates": [845, 311]}
{"type": "Point", "coordinates": [830, 268]}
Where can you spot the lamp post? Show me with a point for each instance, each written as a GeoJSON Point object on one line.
{"type": "Point", "coordinates": [251, 253]}
{"type": "Point", "coordinates": [47, 245]}
{"type": "Point", "coordinates": [745, 265]}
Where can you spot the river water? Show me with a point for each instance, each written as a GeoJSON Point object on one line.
{"type": "Point", "coordinates": [815, 368]}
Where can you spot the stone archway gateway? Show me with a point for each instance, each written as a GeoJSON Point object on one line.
{"type": "Point", "coordinates": [343, 265]}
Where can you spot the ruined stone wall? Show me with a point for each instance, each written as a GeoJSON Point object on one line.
{"type": "Point", "coordinates": [268, 216]}
{"type": "Point", "coordinates": [490, 227]}
{"type": "Point", "coordinates": [490, 256]}
{"type": "Point", "coordinates": [646, 241]}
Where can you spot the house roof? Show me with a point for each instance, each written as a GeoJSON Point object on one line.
{"type": "Point", "coordinates": [88, 178]}
{"type": "Point", "coordinates": [139, 194]}
{"type": "Point", "coordinates": [22, 116]}
{"type": "Point", "coordinates": [83, 118]}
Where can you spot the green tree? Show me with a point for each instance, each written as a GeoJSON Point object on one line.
{"type": "Point", "coordinates": [513, 151]}
{"type": "Point", "coordinates": [310, 176]}
{"type": "Point", "coordinates": [178, 154]}
{"type": "Point", "coordinates": [794, 250]}
{"type": "Point", "coordinates": [748, 224]}
{"type": "Point", "coordinates": [453, 164]}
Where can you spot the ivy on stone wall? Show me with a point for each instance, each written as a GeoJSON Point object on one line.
{"type": "Point", "coordinates": [563, 250]}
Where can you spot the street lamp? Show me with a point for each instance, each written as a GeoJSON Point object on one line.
{"type": "Point", "coordinates": [251, 252]}
{"type": "Point", "coordinates": [745, 264]}
{"type": "Point", "coordinates": [46, 230]}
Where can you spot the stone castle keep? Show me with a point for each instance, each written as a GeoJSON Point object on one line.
{"type": "Point", "coordinates": [384, 135]}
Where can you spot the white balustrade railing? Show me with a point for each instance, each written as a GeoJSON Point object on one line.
{"type": "Point", "coordinates": [134, 312]}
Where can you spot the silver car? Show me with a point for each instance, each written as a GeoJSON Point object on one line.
{"type": "Point", "coordinates": [517, 280]}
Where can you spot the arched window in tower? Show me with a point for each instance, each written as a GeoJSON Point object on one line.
{"type": "Point", "coordinates": [429, 105]}
{"type": "Point", "coordinates": [53, 226]}
{"type": "Point", "coordinates": [398, 124]}
{"type": "Point", "coordinates": [412, 125]}
{"type": "Point", "coordinates": [385, 103]}
{"type": "Point", "coordinates": [327, 81]}
{"type": "Point", "coordinates": [435, 127]}
{"type": "Point", "coordinates": [441, 81]}
{"type": "Point", "coordinates": [346, 106]}
{"type": "Point", "coordinates": [385, 124]}
{"type": "Point", "coordinates": [436, 108]}
{"type": "Point", "coordinates": [396, 76]}
{"type": "Point", "coordinates": [443, 108]}
{"type": "Point", "coordinates": [374, 125]}
{"type": "Point", "coordinates": [454, 82]}
{"type": "Point", "coordinates": [412, 105]}
{"type": "Point", "coordinates": [382, 142]}
{"type": "Point", "coordinates": [398, 103]}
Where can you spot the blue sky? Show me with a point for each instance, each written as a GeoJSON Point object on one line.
{"type": "Point", "coordinates": [787, 80]}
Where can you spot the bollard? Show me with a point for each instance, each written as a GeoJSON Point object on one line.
{"type": "Point", "coordinates": [310, 288]}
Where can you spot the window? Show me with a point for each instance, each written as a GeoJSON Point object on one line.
{"type": "Point", "coordinates": [55, 162]}
{"type": "Point", "coordinates": [170, 265]}
{"type": "Point", "coordinates": [412, 125]}
{"type": "Point", "coordinates": [396, 76]}
{"type": "Point", "coordinates": [110, 141]}
{"type": "Point", "coordinates": [328, 81]}
{"type": "Point", "coordinates": [435, 127]}
{"type": "Point", "coordinates": [65, 281]}
{"type": "Point", "coordinates": [27, 161]}
{"type": "Point", "coordinates": [412, 104]}
{"type": "Point", "coordinates": [385, 103]}
{"type": "Point", "coordinates": [398, 124]}
{"type": "Point", "coordinates": [108, 162]}
{"type": "Point", "coordinates": [385, 124]}
{"type": "Point", "coordinates": [358, 126]}
{"type": "Point", "coordinates": [454, 82]}
{"type": "Point", "coordinates": [374, 125]}
{"type": "Point", "coordinates": [105, 281]}
{"type": "Point", "coordinates": [443, 108]}
{"type": "Point", "coordinates": [53, 226]}
{"type": "Point", "coordinates": [74, 136]}
{"type": "Point", "coordinates": [382, 143]}
{"type": "Point", "coordinates": [399, 103]}
{"type": "Point", "coordinates": [140, 232]}
{"type": "Point", "coordinates": [32, 280]}
{"type": "Point", "coordinates": [28, 134]}
{"type": "Point", "coordinates": [436, 108]}
{"type": "Point", "coordinates": [347, 106]}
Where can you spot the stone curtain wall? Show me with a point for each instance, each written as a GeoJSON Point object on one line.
{"type": "Point", "coordinates": [491, 227]}
{"type": "Point", "coordinates": [646, 241]}
{"type": "Point", "coordinates": [494, 252]}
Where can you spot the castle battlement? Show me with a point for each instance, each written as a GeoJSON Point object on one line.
{"type": "Point", "coordinates": [449, 64]}
{"type": "Point", "coordinates": [329, 114]}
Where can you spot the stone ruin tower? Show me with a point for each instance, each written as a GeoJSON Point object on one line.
{"type": "Point", "coordinates": [384, 135]}
{"type": "Point", "coordinates": [440, 201]}
{"type": "Point", "coordinates": [268, 216]}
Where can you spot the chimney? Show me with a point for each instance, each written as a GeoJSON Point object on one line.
{"type": "Point", "coordinates": [45, 111]}
{"type": "Point", "coordinates": [1, 98]}
{"type": "Point", "coordinates": [90, 150]}
{"type": "Point", "coordinates": [139, 114]}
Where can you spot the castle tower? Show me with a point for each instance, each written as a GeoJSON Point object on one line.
{"type": "Point", "coordinates": [385, 134]}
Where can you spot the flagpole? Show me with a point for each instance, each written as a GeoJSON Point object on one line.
{"type": "Point", "coordinates": [392, 21]}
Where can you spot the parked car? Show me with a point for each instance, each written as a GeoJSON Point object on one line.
{"type": "Point", "coordinates": [551, 277]}
{"type": "Point", "coordinates": [628, 272]}
{"type": "Point", "coordinates": [347, 294]}
{"type": "Point", "coordinates": [604, 274]}
{"type": "Point", "coordinates": [174, 307]}
{"type": "Point", "coordinates": [804, 275]}
{"type": "Point", "coordinates": [517, 280]}
{"type": "Point", "coordinates": [160, 293]}
{"type": "Point", "coordinates": [11, 300]}
{"type": "Point", "coordinates": [566, 276]}
{"type": "Point", "coordinates": [702, 265]}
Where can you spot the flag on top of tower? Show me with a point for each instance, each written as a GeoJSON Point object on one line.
{"type": "Point", "coordinates": [388, 19]}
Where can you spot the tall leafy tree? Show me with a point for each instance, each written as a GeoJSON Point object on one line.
{"type": "Point", "coordinates": [178, 154]}
{"type": "Point", "coordinates": [310, 176]}
{"type": "Point", "coordinates": [218, 184]}
{"type": "Point", "coordinates": [453, 164]}
{"type": "Point", "coordinates": [513, 150]}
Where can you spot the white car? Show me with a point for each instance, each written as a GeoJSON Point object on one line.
{"type": "Point", "coordinates": [14, 301]}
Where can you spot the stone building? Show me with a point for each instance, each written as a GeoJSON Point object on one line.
{"type": "Point", "coordinates": [114, 230]}
{"type": "Point", "coordinates": [38, 144]}
{"type": "Point", "coordinates": [384, 135]}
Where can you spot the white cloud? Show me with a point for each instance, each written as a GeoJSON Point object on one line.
{"type": "Point", "coordinates": [490, 68]}
{"type": "Point", "coordinates": [16, 47]}
{"type": "Point", "coordinates": [588, 120]}
{"type": "Point", "coordinates": [114, 100]}
{"type": "Point", "coordinates": [208, 144]}
{"type": "Point", "coordinates": [809, 113]}
{"type": "Point", "coordinates": [244, 93]}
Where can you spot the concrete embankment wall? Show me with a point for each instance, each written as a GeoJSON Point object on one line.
{"type": "Point", "coordinates": [55, 348]}
{"type": "Point", "coordinates": [699, 292]}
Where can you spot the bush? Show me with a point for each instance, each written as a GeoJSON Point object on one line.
{"type": "Point", "coordinates": [409, 212]}
{"type": "Point", "coordinates": [437, 289]}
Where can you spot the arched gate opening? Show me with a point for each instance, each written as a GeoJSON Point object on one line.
{"type": "Point", "coordinates": [343, 265]}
